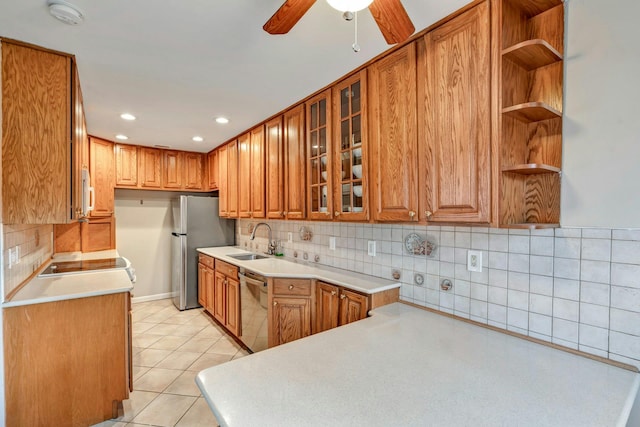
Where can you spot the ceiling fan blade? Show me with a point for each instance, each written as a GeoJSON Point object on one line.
{"type": "Point", "coordinates": [392, 18]}
{"type": "Point", "coordinates": [287, 16]}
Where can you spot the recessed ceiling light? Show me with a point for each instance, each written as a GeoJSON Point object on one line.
{"type": "Point", "coordinates": [122, 137]}
{"type": "Point", "coordinates": [65, 12]}
{"type": "Point", "coordinates": [222, 120]}
{"type": "Point", "coordinates": [198, 138]}
{"type": "Point", "coordinates": [127, 116]}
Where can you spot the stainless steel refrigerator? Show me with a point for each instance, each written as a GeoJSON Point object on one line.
{"type": "Point", "coordinates": [196, 224]}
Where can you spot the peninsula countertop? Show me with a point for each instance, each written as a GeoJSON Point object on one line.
{"type": "Point", "coordinates": [281, 267]}
{"type": "Point", "coordinates": [70, 286]}
{"type": "Point", "coordinates": [409, 367]}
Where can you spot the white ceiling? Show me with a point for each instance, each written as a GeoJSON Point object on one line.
{"type": "Point", "coordinates": [178, 64]}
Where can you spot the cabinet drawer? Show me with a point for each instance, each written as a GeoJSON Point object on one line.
{"type": "Point", "coordinates": [206, 260]}
{"type": "Point", "coordinates": [300, 287]}
{"type": "Point", "coordinates": [226, 268]}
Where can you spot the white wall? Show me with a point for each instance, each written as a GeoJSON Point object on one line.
{"type": "Point", "coordinates": [143, 234]}
{"type": "Point", "coordinates": [601, 135]}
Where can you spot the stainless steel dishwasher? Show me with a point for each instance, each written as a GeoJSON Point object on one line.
{"type": "Point", "coordinates": [253, 310]}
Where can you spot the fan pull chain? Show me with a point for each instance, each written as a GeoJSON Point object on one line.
{"type": "Point", "coordinates": [355, 46]}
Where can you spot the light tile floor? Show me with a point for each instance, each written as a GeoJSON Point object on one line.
{"type": "Point", "coordinates": [169, 348]}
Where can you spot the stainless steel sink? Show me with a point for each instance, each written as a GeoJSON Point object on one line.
{"type": "Point", "coordinates": [246, 257]}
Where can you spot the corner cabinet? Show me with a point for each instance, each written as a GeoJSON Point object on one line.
{"type": "Point", "coordinates": [454, 118]}
{"type": "Point", "coordinates": [393, 136]}
{"type": "Point", "coordinates": [337, 306]}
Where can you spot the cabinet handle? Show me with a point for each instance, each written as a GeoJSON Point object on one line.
{"type": "Point", "coordinates": [275, 303]}
{"type": "Point", "coordinates": [284, 213]}
{"type": "Point", "coordinates": [333, 293]}
{"type": "Point", "coordinates": [427, 213]}
{"type": "Point", "coordinates": [290, 287]}
{"type": "Point", "coordinates": [336, 213]}
{"type": "Point", "coordinates": [342, 296]}
{"type": "Point", "coordinates": [412, 214]}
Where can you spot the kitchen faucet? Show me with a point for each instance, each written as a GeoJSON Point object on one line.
{"type": "Point", "coordinates": [271, 247]}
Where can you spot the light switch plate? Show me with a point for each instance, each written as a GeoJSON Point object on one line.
{"type": "Point", "coordinates": [474, 261]}
{"type": "Point", "coordinates": [371, 248]}
{"type": "Point", "coordinates": [289, 237]}
{"type": "Point", "coordinates": [332, 243]}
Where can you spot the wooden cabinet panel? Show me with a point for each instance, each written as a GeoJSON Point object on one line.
{"type": "Point", "coordinates": [219, 301]}
{"type": "Point", "coordinates": [223, 209]}
{"type": "Point", "coordinates": [202, 288]}
{"type": "Point", "coordinates": [327, 307]}
{"type": "Point", "coordinates": [454, 117]}
{"type": "Point", "coordinates": [232, 179]}
{"type": "Point", "coordinates": [393, 136]}
{"type": "Point", "coordinates": [126, 165]}
{"type": "Point", "coordinates": [353, 306]}
{"type": "Point", "coordinates": [291, 319]}
{"type": "Point", "coordinates": [274, 169]}
{"type": "Point", "coordinates": [244, 176]}
{"type": "Point", "coordinates": [102, 169]}
{"type": "Point", "coordinates": [232, 302]}
{"type": "Point", "coordinates": [294, 161]}
{"type": "Point", "coordinates": [149, 167]}
{"type": "Point", "coordinates": [98, 234]}
{"type": "Point", "coordinates": [193, 167]}
{"type": "Point", "coordinates": [36, 136]}
{"type": "Point", "coordinates": [172, 169]}
{"type": "Point", "coordinates": [257, 173]}
{"type": "Point", "coordinates": [79, 145]}
{"type": "Point", "coordinates": [319, 157]}
{"type": "Point", "coordinates": [292, 287]}
{"type": "Point", "coordinates": [212, 165]}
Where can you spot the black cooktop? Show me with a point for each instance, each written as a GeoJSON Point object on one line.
{"type": "Point", "coordinates": [62, 267]}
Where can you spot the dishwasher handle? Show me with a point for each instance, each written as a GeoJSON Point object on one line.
{"type": "Point", "coordinates": [252, 280]}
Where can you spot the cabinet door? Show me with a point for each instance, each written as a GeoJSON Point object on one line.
{"type": "Point", "coordinates": [353, 306]}
{"type": "Point", "coordinates": [219, 297]}
{"type": "Point", "coordinates": [319, 157]}
{"type": "Point", "coordinates": [393, 175]}
{"type": "Point", "coordinates": [350, 156]}
{"type": "Point", "coordinates": [454, 117]}
{"type": "Point", "coordinates": [150, 167]}
{"type": "Point", "coordinates": [202, 285]}
{"type": "Point", "coordinates": [223, 200]}
{"type": "Point", "coordinates": [294, 163]}
{"type": "Point", "coordinates": [232, 179]}
{"type": "Point", "coordinates": [102, 170]}
{"type": "Point", "coordinates": [172, 169]}
{"type": "Point", "coordinates": [274, 169]}
{"type": "Point", "coordinates": [126, 165]}
{"type": "Point", "coordinates": [212, 164]}
{"type": "Point", "coordinates": [209, 290]}
{"type": "Point", "coordinates": [244, 176]}
{"type": "Point", "coordinates": [79, 144]}
{"type": "Point", "coordinates": [291, 319]}
{"type": "Point", "coordinates": [327, 307]}
{"type": "Point", "coordinates": [257, 173]}
{"type": "Point", "coordinates": [193, 163]}
{"type": "Point", "coordinates": [232, 321]}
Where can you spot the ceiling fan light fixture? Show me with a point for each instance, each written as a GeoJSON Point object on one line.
{"type": "Point", "coordinates": [65, 12]}
{"type": "Point", "coordinates": [349, 5]}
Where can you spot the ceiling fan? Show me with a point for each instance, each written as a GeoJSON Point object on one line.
{"type": "Point", "coordinates": [390, 15]}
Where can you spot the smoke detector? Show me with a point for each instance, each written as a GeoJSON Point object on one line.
{"type": "Point", "coordinates": [65, 12]}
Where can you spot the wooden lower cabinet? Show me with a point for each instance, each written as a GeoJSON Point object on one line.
{"type": "Point", "coordinates": [90, 373]}
{"type": "Point", "coordinates": [289, 310]}
{"type": "Point", "coordinates": [219, 292]}
{"type": "Point", "coordinates": [337, 306]}
{"type": "Point", "coordinates": [219, 298]}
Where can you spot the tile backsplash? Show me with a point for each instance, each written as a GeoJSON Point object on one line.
{"type": "Point", "coordinates": [575, 287]}
{"type": "Point", "coordinates": [35, 248]}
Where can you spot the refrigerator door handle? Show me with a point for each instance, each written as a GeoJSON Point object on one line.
{"type": "Point", "coordinates": [176, 234]}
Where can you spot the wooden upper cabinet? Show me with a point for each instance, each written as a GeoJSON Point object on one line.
{"type": "Point", "coordinates": [232, 179]}
{"type": "Point", "coordinates": [350, 150]}
{"type": "Point", "coordinates": [150, 167]}
{"type": "Point", "coordinates": [223, 209]}
{"type": "Point", "coordinates": [193, 166]}
{"type": "Point", "coordinates": [393, 136]}
{"type": "Point", "coordinates": [274, 156]}
{"type": "Point", "coordinates": [37, 184]}
{"type": "Point", "coordinates": [244, 176]}
{"type": "Point", "coordinates": [319, 157]}
{"type": "Point", "coordinates": [212, 172]}
{"type": "Point", "coordinates": [258, 209]}
{"type": "Point", "coordinates": [454, 116]}
{"type": "Point", "coordinates": [102, 170]}
{"type": "Point", "coordinates": [126, 165]}
{"type": "Point", "coordinates": [172, 169]}
{"type": "Point", "coordinates": [294, 161]}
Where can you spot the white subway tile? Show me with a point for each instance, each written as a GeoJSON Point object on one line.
{"type": "Point", "coordinates": [460, 256]}
{"type": "Point", "coordinates": [461, 304]}
{"type": "Point", "coordinates": [596, 233]}
{"type": "Point", "coordinates": [519, 232]}
{"type": "Point", "coordinates": [498, 260]}
{"type": "Point", "coordinates": [566, 268]}
{"type": "Point", "coordinates": [595, 271]}
{"type": "Point", "coordinates": [478, 310]}
{"type": "Point", "coordinates": [540, 324]}
{"type": "Point", "coordinates": [568, 232]}
{"type": "Point", "coordinates": [567, 289]}
{"type": "Point", "coordinates": [626, 234]}
{"type": "Point", "coordinates": [480, 277]}
{"type": "Point", "coordinates": [497, 313]}
{"type": "Point", "coordinates": [624, 321]}
{"type": "Point", "coordinates": [518, 281]}
{"type": "Point", "coordinates": [447, 238]}
{"type": "Point", "coordinates": [625, 298]}
{"type": "Point", "coordinates": [446, 300]}
{"type": "Point", "coordinates": [624, 345]}
{"type": "Point", "coordinates": [462, 240]}
{"type": "Point", "coordinates": [542, 285]}
{"type": "Point", "coordinates": [406, 291]}
{"type": "Point", "coordinates": [542, 265]}
{"type": "Point", "coordinates": [625, 275]}
{"type": "Point", "coordinates": [543, 232]}
{"type": "Point", "coordinates": [623, 359]}
{"type": "Point", "coordinates": [461, 272]}
{"type": "Point", "coordinates": [497, 278]}
{"type": "Point", "coordinates": [519, 319]}
{"type": "Point", "coordinates": [447, 253]}
{"type": "Point", "coordinates": [433, 298]}
{"type": "Point", "coordinates": [594, 351]}
{"type": "Point", "coordinates": [625, 251]}
{"type": "Point", "coordinates": [498, 231]}
{"type": "Point", "coordinates": [565, 330]}
{"type": "Point", "coordinates": [566, 309]}
{"type": "Point", "coordinates": [596, 249]}
{"type": "Point", "coordinates": [564, 343]}
{"type": "Point", "coordinates": [542, 337]}
{"type": "Point", "coordinates": [433, 282]}
{"type": "Point", "coordinates": [519, 263]}
{"type": "Point", "coordinates": [419, 294]}
{"type": "Point", "coordinates": [541, 304]}
{"type": "Point", "coordinates": [517, 299]}
{"type": "Point", "coordinates": [462, 287]}
{"type": "Point", "coordinates": [433, 267]}
{"type": "Point", "coordinates": [566, 247]}
{"type": "Point", "coordinates": [497, 295]}
{"type": "Point", "coordinates": [519, 244]}
{"type": "Point", "coordinates": [499, 242]}
{"type": "Point", "coordinates": [480, 241]}
{"type": "Point", "coordinates": [461, 229]}
{"type": "Point", "coordinates": [594, 315]}
{"type": "Point", "coordinates": [594, 293]}
{"type": "Point", "coordinates": [479, 291]}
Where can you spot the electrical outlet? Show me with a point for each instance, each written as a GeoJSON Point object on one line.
{"type": "Point", "coordinates": [289, 237]}
{"type": "Point", "coordinates": [10, 256]}
{"type": "Point", "coordinates": [332, 243]}
{"type": "Point", "coordinates": [474, 261]}
{"type": "Point", "coordinates": [371, 248]}
{"type": "Point", "coordinates": [16, 254]}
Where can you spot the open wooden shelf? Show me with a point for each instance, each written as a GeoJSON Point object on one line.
{"type": "Point", "coordinates": [530, 112]}
{"type": "Point", "coordinates": [532, 54]}
{"type": "Point", "coordinates": [535, 7]}
{"type": "Point", "coordinates": [531, 169]}
{"type": "Point", "coordinates": [530, 226]}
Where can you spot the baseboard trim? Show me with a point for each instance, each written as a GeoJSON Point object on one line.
{"type": "Point", "coordinates": [152, 297]}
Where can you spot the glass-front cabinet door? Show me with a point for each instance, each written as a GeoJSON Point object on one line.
{"type": "Point", "coordinates": [319, 157]}
{"type": "Point", "coordinates": [350, 149]}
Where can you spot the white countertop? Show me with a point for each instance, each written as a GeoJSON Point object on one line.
{"type": "Point", "coordinates": [71, 286]}
{"type": "Point", "coordinates": [409, 367]}
{"type": "Point", "coordinates": [280, 267]}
